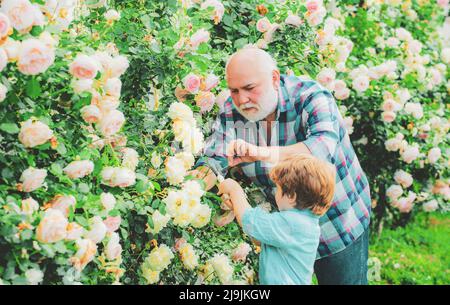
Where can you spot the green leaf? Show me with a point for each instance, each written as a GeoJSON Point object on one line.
{"type": "Point", "coordinates": [10, 128]}
{"type": "Point", "coordinates": [155, 203]}
{"type": "Point", "coordinates": [61, 149]}
{"type": "Point", "coordinates": [33, 88]}
{"type": "Point", "coordinates": [142, 186]}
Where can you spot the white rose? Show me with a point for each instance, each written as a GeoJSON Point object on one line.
{"type": "Point", "coordinates": [34, 276]}
{"type": "Point", "coordinates": [34, 133]}
{"type": "Point", "coordinates": [82, 85]}
{"type": "Point", "coordinates": [98, 230]}
{"type": "Point", "coordinates": [118, 66]}
{"type": "Point", "coordinates": [113, 249]}
{"type": "Point", "coordinates": [22, 14]}
{"type": "Point", "coordinates": [293, 20]}
{"type": "Point", "coordinates": [79, 169]}
{"type": "Point", "coordinates": [108, 201]}
{"type": "Point", "coordinates": [202, 216]}
{"type": "Point", "coordinates": [445, 55]}
{"type": "Point", "coordinates": [175, 170]}
{"type": "Point", "coordinates": [112, 15]}
{"type": "Point", "coordinates": [3, 59]}
{"type": "Point", "coordinates": [32, 179]}
{"type": "Point", "coordinates": [403, 178]}
{"type": "Point", "coordinates": [63, 203]}
{"type": "Point", "coordinates": [159, 222]}
{"type": "Point", "coordinates": [180, 111]}
{"type": "Point", "coordinates": [111, 122]}
{"type": "Point", "coordinates": [430, 206]}
{"type": "Point", "coordinates": [222, 267]}
{"type": "Point", "coordinates": [394, 191]}
{"type": "Point", "coordinates": [29, 206]}
{"type": "Point", "coordinates": [326, 78]}
{"type": "Point", "coordinates": [34, 57]}
{"type": "Point", "coordinates": [108, 102]}
{"type": "Point", "coordinates": [130, 158]}
{"type": "Point", "coordinates": [52, 227]}
{"type": "Point", "coordinates": [415, 109]}
{"type": "Point", "coordinates": [113, 86]}
{"type": "Point", "coordinates": [361, 83]}
{"type": "Point", "coordinates": [434, 154]}
{"type": "Point", "coordinates": [74, 231]}
{"type": "Point", "coordinates": [156, 160]}
{"type": "Point", "coordinates": [12, 48]}
{"type": "Point", "coordinates": [117, 176]}
{"type": "Point", "coordinates": [85, 253]}
{"type": "Point", "coordinates": [410, 153]}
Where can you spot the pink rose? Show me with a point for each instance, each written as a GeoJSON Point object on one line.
{"type": "Point", "coordinates": [34, 133]}
{"type": "Point", "coordinates": [22, 14]}
{"type": "Point", "coordinates": [112, 223]}
{"type": "Point", "coordinates": [63, 203]}
{"type": "Point", "coordinates": [218, 11]}
{"type": "Point", "coordinates": [241, 252]}
{"type": "Point", "coordinates": [5, 25]}
{"type": "Point", "coordinates": [313, 5]}
{"type": "Point", "coordinates": [79, 169]}
{"type": "Point", "coordinates": [3, 59]}
{"type": "Point", "coordinates": [222, 97]}
{"type": "Point", "coordinates": [111, 122]}
{"type": "Point", "coordinates": [179, 242]}
{"type": "Point", "coordinates": [205, 100]}
{"type": "Point", "coordinates": [293, 20]}
{"type": "Point", "coordinates": [210, 82]}
{"type": "Point", "coordinates": [263, 25]}
{"type": "Point", "coordinates": [192, 83]}
{"type": "Point", "coordinates": [90, 114]}
{"type": "Point", "coordinates": [32, 179]}
{"type": "Point", "coordinates": [342, 94]}
{"type": "Point", "coordinates": [388, 116]}
{"type": "Point", "coordinates": [84, 67]}
{"type": "Point", "coordinates": [34, 57]}
{"type": "Point", "coordinates": [442, 3]}
{"type": "Point", "coordinates": [199, 37]}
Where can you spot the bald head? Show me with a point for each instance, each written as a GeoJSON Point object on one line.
{"type": "Point", "coordinates": [251, 58]}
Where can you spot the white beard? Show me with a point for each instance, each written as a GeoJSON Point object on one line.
{"type": "Point", "coordinates": [266, 105]}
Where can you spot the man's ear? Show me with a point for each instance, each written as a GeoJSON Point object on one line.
{"type": "Point", "coordinates": [276, 79]}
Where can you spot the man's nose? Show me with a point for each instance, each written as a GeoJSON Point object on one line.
{"type": "Point", "coordinates": [243, 98]}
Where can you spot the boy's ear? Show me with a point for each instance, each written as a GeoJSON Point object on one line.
{"type": "Point", "coordinates": [293, 198]}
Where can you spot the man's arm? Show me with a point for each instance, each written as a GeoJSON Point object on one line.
{"type": "Point", "coordinates": [324, 135]}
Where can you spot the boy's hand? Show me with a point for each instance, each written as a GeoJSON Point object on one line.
{"type": "Point", "coordinates": [231, 188]}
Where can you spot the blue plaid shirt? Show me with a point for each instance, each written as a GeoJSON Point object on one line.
{"type": "Point", "coordinates": [307, 113]}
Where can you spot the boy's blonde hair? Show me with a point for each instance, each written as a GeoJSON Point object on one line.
{"type": "Point", "coordinates": [312, 181]}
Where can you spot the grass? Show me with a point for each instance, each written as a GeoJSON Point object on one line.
{"type": "Point", "coordinates": [415, 254]}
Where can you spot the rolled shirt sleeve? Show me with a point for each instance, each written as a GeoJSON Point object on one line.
{"type": "Point", "coordinates": [269, 228]}
{"type": "Point", "coordinates": [322, 124]}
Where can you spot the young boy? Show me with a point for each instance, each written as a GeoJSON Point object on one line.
{"type": "Point", "coordinates": [289, 238]}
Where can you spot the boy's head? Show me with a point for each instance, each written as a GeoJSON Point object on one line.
{"type": "Point", "coordinates": [304, 182]}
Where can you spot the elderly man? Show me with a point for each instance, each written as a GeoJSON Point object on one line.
{"type": "Point", "coordinates": [270, 117]}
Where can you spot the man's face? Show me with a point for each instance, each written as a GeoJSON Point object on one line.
{"type": "Point", "coordinates": [253, 92]}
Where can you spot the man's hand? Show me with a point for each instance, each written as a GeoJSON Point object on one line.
{"type": "Point", "coordinates": [239, 151]}
{"type": "Point", "coordinates": [206, 174]}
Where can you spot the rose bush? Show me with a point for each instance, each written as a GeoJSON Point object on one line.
{"type": "Point", "coordinates": [105, 106]}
